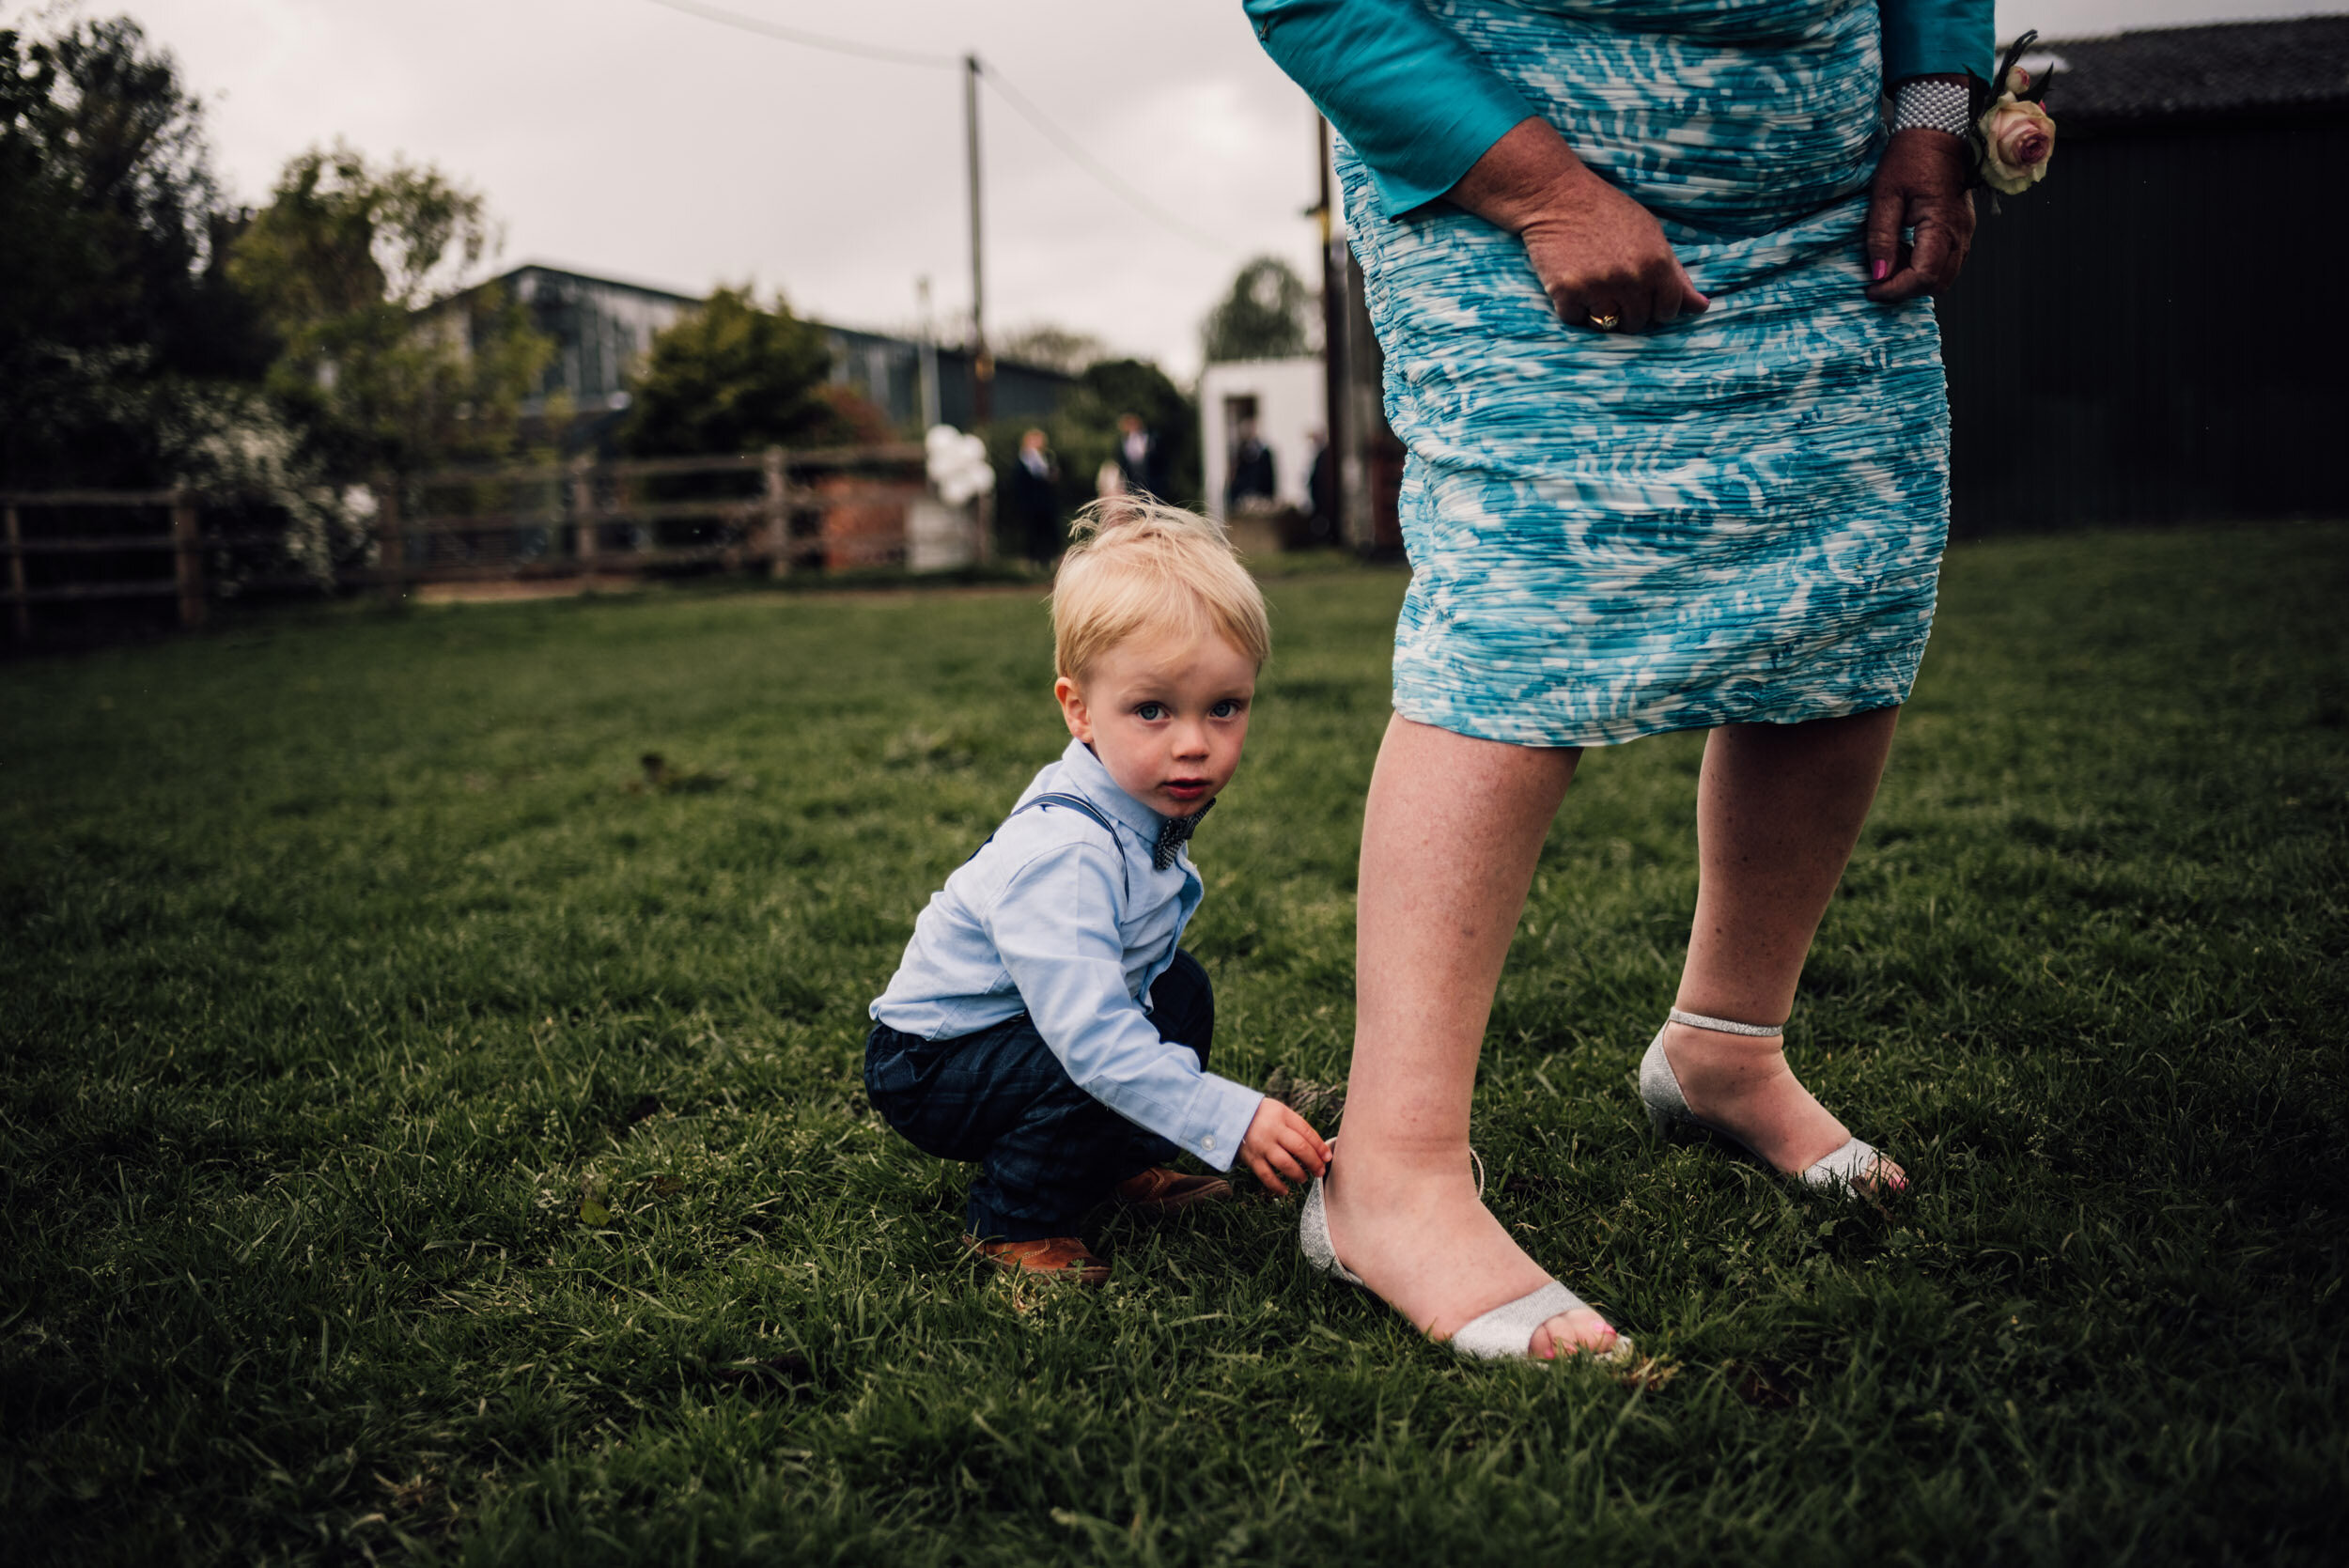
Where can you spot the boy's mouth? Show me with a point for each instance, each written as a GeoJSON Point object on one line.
{"type": "Point", "coordinates": [1186, 790]}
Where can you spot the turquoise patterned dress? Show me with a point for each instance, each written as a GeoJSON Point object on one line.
{"type": "Point", "coordinates": [1737, 516]}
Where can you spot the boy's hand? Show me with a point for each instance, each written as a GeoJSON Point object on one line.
{"type": "Point", "coordinates": [1280, 1142]}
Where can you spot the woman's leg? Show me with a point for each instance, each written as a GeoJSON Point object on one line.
{"type": "Point", "coordinates": [1778, 808]}
{"type": "Point", "coordinates": [1450, 832]}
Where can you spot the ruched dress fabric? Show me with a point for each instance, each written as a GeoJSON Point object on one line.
{"type": "Point", "coordinates": [1735, 517]}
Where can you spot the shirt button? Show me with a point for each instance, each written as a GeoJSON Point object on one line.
{"type": "Point", "coordinates": [1209, 1142]}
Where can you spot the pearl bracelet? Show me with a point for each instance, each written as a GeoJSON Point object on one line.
{"type": "Point", "coordinates": [1933, 107]}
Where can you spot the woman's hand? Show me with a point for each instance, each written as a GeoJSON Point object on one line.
{"type": "Point", "coordinates": [1597, 253]}
{"type": "Point", "coordinates": [1279, 1144]}
{"type": "Point", "coordinates": [1919, 184]}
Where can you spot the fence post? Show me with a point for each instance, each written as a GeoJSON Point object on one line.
{"type": "Point", "coordinates": [391, 542]}
{"type": "Point", "coordinates": [23, 617]}
{"type": "Point", "coordinates": [778, 510]}
{"type": "Point", "coordinates": [187, 560]}
{"type": "Point", "coordinates": [985, 514]}
{"type": "Point", "coordinates": [583, 514]}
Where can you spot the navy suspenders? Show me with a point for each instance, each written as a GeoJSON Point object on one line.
{"type": "Point", "coordinates": [1074, 803]}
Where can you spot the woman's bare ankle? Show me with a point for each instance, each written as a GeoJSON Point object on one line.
{"type": "Point", "coordinates": [1723, 1067]}
{"type": "Point", "coordinates": [1371, 1175]}
{"type": "Point", "coordinates": [1746, 1084]}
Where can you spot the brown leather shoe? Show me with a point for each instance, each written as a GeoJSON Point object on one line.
{"type": "Point", "coordinates": [1166, 1190]}
{"type": "Point", "coordinates": [1060, 1258]}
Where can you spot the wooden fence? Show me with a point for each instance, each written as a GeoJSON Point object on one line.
{"type": "Point", "coordinates": [773, 512]}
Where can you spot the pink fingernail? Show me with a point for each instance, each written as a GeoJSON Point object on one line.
{"type": "Point", "coordinates": [1879, 268]}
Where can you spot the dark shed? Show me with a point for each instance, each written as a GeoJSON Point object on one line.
{"type": "Point", "coordinates": [2150, 335]}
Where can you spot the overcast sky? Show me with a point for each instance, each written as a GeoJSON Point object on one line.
{"type": "Point", "coordinates": [618, 137]}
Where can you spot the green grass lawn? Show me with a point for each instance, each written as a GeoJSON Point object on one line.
{"type": "Point", "coordinates": [422, 1138]}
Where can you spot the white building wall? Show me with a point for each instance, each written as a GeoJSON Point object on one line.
{"type": "Point", "coordinates": [1290, 397]}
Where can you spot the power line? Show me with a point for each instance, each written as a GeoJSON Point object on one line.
{"type": "Point", "coordinates": [1019, 100]}
{"type": "Point", "coordinates": [813, 40]}
{"type": "Point", "coordinates": [1099, 171]}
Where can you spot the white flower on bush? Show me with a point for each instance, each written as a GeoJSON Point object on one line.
{"type": "Point", "coordinates": [228, 442]}
{"type": "Point", "coordinates": [957, 465]}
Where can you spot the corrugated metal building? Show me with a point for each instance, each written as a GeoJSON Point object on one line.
{"type": "Point", "coordinates": [602, 327]}
{"type": "Point", "coordinates": [2150, 335]}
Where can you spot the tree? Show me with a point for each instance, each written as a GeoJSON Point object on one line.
{"type": "Point", "coordinates": [382, 357]}
{"type": "Point", "coordinates": [111, 283]}
{"type": "Point", "coordinates": [105, 186]}
{"type": "Point", "coordinates": [129, 358]}
{"type": "Point", "coordinates": [1053, 348]}
{"type": "Point", "coordinates": [1268, 315]}
{"type": "Point", "coordinates": [1083, 430]}
{"type": "Point", "coordinates": [731, 377]}
{"type": "Point", "coordinates": [1114, 388]}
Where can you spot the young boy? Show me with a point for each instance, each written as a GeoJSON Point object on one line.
{"type": "Point", "coordinates": [1044, 1022]}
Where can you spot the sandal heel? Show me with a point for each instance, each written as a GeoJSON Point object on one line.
{"type": "Point", "coordinates": [1668, 1112]}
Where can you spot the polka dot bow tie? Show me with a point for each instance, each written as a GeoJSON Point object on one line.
{"type": "Point", "coordinates": [1173, 834]}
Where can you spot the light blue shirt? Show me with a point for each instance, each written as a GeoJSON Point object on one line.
{"type": "Point", "coordinates": [1059, 918]}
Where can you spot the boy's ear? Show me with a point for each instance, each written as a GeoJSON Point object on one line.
{"type": "Point", "coordinates": [1072, 709]}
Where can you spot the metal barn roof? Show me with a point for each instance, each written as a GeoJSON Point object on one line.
{"type": "Point", "coordinates": [2218, 71]}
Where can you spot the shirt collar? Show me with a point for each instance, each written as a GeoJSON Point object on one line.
{"type": "Point", "coordinates": [1093, 782]}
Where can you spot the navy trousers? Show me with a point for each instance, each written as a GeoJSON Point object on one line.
{"type": "Point", "coordinates": [1047, 1151]}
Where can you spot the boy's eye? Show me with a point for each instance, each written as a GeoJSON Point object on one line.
{"type": "Point", "coordinates": [1150, 712]}
{"type": "Point", "coordinates": [1227, 708]}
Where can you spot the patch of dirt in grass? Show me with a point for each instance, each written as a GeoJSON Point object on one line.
{"type": "Point", "coordinates": [1322, 1104]}
{"type": "Point", "coordinates": [1762, 1385]}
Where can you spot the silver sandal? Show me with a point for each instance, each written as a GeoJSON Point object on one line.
{"type": "Point", "coordinates": [1668, 1109]}
{"type": "Point", "coordinates": [1503, 1334]}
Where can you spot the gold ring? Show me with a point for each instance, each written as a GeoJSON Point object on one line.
{"type": "Point", "coordinates": [1606, 323]}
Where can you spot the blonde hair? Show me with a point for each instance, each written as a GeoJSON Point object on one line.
{"type": "Point", "coordinates": [1135, 565]}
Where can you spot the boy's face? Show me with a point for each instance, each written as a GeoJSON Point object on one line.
{"type": "Point", "coordinates": [1167, 715]}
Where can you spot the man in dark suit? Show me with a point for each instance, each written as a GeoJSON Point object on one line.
{"type": "Point", "coordinates": [1321, 491]}
{"type": "Point", "coordinates": [1032, 499]}
{"type": "Point", "coordinates": [1141, 459]}
{"type": "Point", "coordinates": [1253, 479]}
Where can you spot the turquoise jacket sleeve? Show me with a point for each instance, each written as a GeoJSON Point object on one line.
{"type": "Point", "coordinates": [1937, 37]}
{"type": "Point", "coordinates": [1420, 106]}
{"type": "Point", "coordinates": [1415, 100]}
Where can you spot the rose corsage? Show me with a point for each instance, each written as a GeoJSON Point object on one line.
{"type": "Point", "coordinates": [2013, 135]}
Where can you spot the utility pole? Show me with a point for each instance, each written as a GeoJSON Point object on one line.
{"type": "Point", "coordinates": [929, 353]}
{"type": "Point", "coordinates": [982, 363]}
{"type": "Point", "coordinates": [1334, 341]}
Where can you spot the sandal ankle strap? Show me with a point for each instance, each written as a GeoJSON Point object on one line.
{"type": "Point", "coordinates": [1725, 1025]}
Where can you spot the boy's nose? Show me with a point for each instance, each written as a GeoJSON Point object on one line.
{"type": "Point", "coordinates": [1191, 740]}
